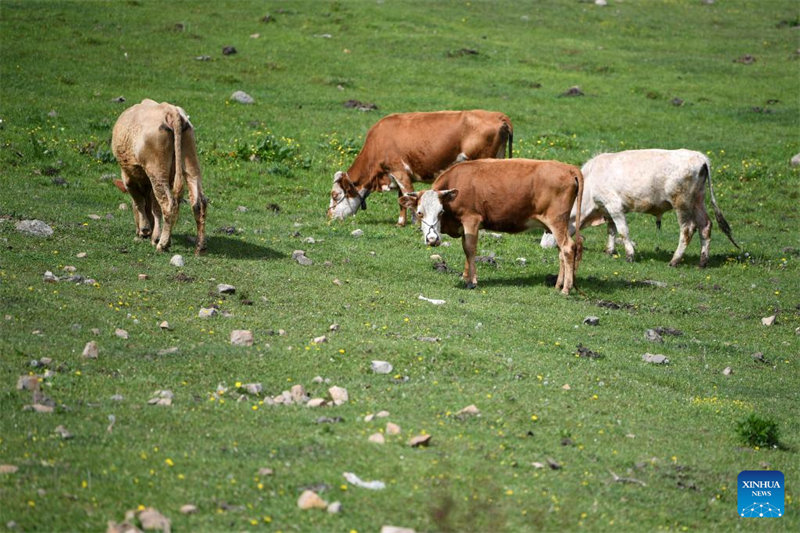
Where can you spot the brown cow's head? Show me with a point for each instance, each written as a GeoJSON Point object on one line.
{"type": "Point", "coordinates": [345, 198]}
{"type": "Point", "coordinates": [429, 206]}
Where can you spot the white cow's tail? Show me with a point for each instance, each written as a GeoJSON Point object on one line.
{"type": "Point", "coordinates": [705, 171]}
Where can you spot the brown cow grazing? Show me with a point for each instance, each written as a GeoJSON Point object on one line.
{"type": "Point", "coordinates": [503, 195]}
{"type": "Point", "coordinates": [411, 147]}
{"type": "Point", "coordinates": [155, 147]}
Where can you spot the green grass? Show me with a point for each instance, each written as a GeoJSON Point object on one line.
{"type": "Point", "coordinates": [509, 347]}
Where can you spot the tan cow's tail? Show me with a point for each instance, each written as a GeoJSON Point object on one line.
{"type": "Point", "coordinates": [705, 171]}
{"type": "Point", "coordinates": [174, 122]}
{"type": "Point", "coordinates": [578, 176]}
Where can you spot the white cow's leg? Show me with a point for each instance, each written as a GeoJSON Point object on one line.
{"type": "Point", "coordinates": [687, 229]}
{"type": "Point", "coordinates": [167, 204]}
{"type": "Point", "coordinates": [618, 218]}
{"type": "Point", "coordinates": [406, 186]}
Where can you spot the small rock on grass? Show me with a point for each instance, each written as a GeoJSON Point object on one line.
{"type": "Point", "coordinates": [357, 233]}
{"type": "Point", "coordinates": [656, 359]}
{"type": "Point", "coordinates": [727, 371]}
{"type": "Point", "coordinates": [311, 500]}
{"type": "Point", "coordinates": [768, 320]}
{"type": "Point", "coordinates": [8, 469]}
{"type": "Point", "coordinates": [653, 336]}
{"type": "Point", "coordinates": [64, 432]}
{"type": "Point", "coordinates": [377, 438]}
{"type": "Point", "coordinates": [121, 333]}
{"type": "Point", "coordinates": [300, 257]}
{"type": "Point", "coordinates": [470, 410]}
{"type": "Point", "coordinates": [381, 367]}
{"type": "Point", "coordinates": [420, 440]}
{"type": "Point", "coordinates": [338, 395]}
{"type": "Point", "coordinates": [35, 228]}
{"type": "Point", "coordinates": [188, 509]}
{"type": "Point", "coordinates": [591, 321]}
{"type": "Point", "coordinates": [392, 428]}
{"type": "Point", "coordinates": [396, 529]}
{"type": "Point", "coordinates": [242, 337]}
{"type": "Point", "coordinates": [177, 260]}
{"type": "Point", "coordinates": [90, 351]}
{"type": "Point", "coordinates": [207, 312]}
{"type": "Point", "coordinates": [224, 288]}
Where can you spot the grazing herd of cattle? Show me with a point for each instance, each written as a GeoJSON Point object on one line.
{"type": "Point", "coordinates": [474, 187]}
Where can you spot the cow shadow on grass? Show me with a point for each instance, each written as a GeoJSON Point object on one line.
{"type": "Point", "coordinates": [234, 248]}
{"type": "Point", "coordinates": [689, 259]}
{"type": "Point", "coordinates": [593, 283]}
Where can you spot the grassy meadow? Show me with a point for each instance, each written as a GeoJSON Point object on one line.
{"type": "Point", "coordinates": [561, 441]}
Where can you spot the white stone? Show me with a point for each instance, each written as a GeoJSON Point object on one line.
{"type": "Point", "coordinates": [338, 395]}
{"type": "Point", "coordinates": [177, 260]}
{"type": "Point", "coordinates": [357, 233]}
{"type": "Point", "coordinates": [224, 288]}
{"type": "Point", "coordinates": [207, 312]}
{"type": "Point", "coordinates": [242, 337]}
{"type": "Point", "coordinates": [242, 97]}
{"type": "Point", "coordinates": [90, 351]}
{"type": "Point", "coordinates": [381, 367]}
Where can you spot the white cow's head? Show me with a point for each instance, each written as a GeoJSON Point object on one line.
{"type": "Point", "coordinates": [345, 198]}
{"type": "Point", "coordinates": [429, 206]}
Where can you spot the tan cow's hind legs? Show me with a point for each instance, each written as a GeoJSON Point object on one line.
{"type": "Point", "coordinates": [567, 254]}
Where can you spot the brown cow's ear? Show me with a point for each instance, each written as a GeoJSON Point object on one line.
{"type": "Point", "coordinates": [448, 195]}
{"type": "Point", "coordinates": [408, 200]}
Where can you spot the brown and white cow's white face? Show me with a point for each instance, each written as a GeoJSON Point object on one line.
{"type": "Point", "coordinates": [345, 198]}
{"type": "Point", "coordinates": [429, 207]}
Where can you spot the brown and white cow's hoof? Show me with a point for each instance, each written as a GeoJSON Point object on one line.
{"type": "Point", "coordinates": [470, 285]}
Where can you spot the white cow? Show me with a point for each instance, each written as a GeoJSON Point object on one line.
{"type": "Point", "coordinates": [649, 181]}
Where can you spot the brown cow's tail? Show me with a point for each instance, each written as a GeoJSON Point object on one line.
{"type": "Point", "coordinates": [174, 121]}
{"type": "Point", "coordinates": [578, 176]}
{"type": "Point", "coordinates": [705, 171]}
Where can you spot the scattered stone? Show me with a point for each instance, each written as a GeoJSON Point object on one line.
{"type": "Point", "coordinates": [728, 371]}
{"type": "Point", "coordinates": [656, 359]}
{"type": "Point", "coordinates": [333, 327]}
{"type": "Point", "coordinates": [90, 351]}
{"type": "Point", "coordinates": [80, 255]}
{"type": "Point", "coordinates": [521, 261]}
{"type": "Point", "coordinates": [396, 529]}
{"type": "Point", "coordinates": [381, 367]}
{"type": "Point", "coordinates": [9, 469]}
{"type": "Point", "coordinates": [357, 233]}
{"type": "Point", "coordinates": [329, 420]}
{"type": "Point", "coordinates": [337, 282]}
{"type": "Point", "coordinates": [338, 395]}
{"type": "Point", "coordinates": [152, 519]}
{"type": "Point", "coordinates": [117, 398]}
{"type": "Point", "coordinates": [377, 438]}
{"type": "Point", "coordinates": [300, 257]}
{"type": "Point", "coordinates": [224, 288]}
{"type": "Point", "coordinates": [573, 91]}
{"type": "Point", "coordinates": [359, 105]}
{"type": "Point", "coordinates": [49, 277]}
{"type": "Point", "coordinates": [188, 509]}
{"type": "Point", "coordinates": [164, 325]}
{"type": "Point", "coordinates": [242, 98]}
{"type": "Point", "coordinates": [768, 320]}
{"type": "Point", "coordinates": [381, 414]}
{"type": "Point", "coordinates": [35, 228]}
{"type": "Point", "coordinates": [298, 393]}
{"type": "Point", "coordinates": [566, 386]}
{"type": "Point", "coordinates": [432, 300]}
{"type": "Point", "coordinates": [28, 382]}
{"type": "Point", "coordinates": [420, 441]}
{"type": "Point", "coordinates": [600, 3]}
{"type": "Point", "coordinates": [228, 50]}
{"type": "Point", "coordinates": [65, 434]}
{"type": "Point", "coordinates": [796, 160]}
{"type": "Point", "coordinates": [207, 312]}
{"type": "Point", "coordinates": [537, 465]}
{"type": "Point", "coordinates": [242, 337]}
{"type": "Point", "coordinates": [265, 471]}
{"type": "Point", "coordinates": [470, 410]}
{"type": "Point", "coordinates": [553, 464]}
{"type": "Point", "coordinates": [118, 100]}
{"type": "Point", "coordinates": [168, 351]}
{"type": "Point", "coordinates": [311, 500]}
{"type": "Point", "coordinates": [177, 260]}
{"type": "Point", "coordinates": [317, 379]}
{"type": "Point", "coordinates": [315, 402]}
{"type": "Point", "coordinates": [358, 482]}
{"type": "Point", "coordinates": [202, 58]}
{"type": "Point", "coordinates": [319, 340]}
{"type": "Point", "coordinates": [143, 277]}
{"type": "Point", "coordinates": [161, 397]}
{"type": "Point", "coordinates": [392, 429]}
{"type": "Point", "coordinates": [591, 321]}
{"type": "Point", "coordinates": [661, 330]}
{"type": "Point", "coordinates": [652, 336]}
{"type": "Point", "coordinates": [587, 353]}
{"type": "Point", "coordinates": [39, 408]}
{"type": "Point", "coordinates": [121, 333]}
{"type": "Point", "coordinates": [335, 507]}
{"type": "Point", "coordinates": [759, 356]}
{"type": "Point", "coordinates": [746, 59]}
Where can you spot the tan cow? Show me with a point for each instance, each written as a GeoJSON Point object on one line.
{"type": "Point", "coordinates": [503, 195]}
{"type": "Point", "coordinates": [155, 147]}
{"type": "Point", "coordinates": [411, 147]}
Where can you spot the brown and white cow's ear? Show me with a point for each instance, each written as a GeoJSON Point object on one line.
{"type": "Point", "coordinates": [338, 176]}
{"type": "Point", "coordinates": [409, 200]}
{"type": "Point", "coordinates": [448, 195]}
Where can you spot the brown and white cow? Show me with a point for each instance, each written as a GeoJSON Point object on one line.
{"type": "Point", "coordinates": [155, 147]}
{"type": "Point", "coordinates": [502, 195]}
{"type": "Point", "coordinates": [650, 181]}
{"type": "Point", "coordinates": [411, 147]}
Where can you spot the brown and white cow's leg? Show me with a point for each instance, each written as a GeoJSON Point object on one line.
{"type": "Point", "coordinates": [566, 259]}
{"type": "Point", "coordinates": [404, 186]}
{"type": "Point", "coordinates": [687, 228]}
{"type": "Point", "coordinates": [469, 242]}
